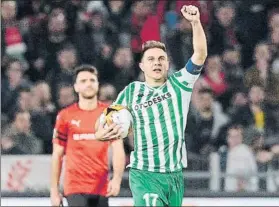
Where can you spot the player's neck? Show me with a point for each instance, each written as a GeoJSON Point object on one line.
{"type": "Point", "coordinates": [88, 104]}
{"type": "Point", "coordinates": [155, 84]}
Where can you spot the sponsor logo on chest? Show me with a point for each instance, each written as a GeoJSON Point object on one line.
{"type": "Point", "coordinates": [87, 136]}
{"type": "Point", "coordinates": [152, 101]}
{"type": "Point", "coordinates": [75, 122]}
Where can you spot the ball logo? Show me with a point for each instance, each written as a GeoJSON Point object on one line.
{"type": "Point", "coordinates": [120, 115]}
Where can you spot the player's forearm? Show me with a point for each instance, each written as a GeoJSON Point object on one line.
{"type": "Point", "coordinates": [56, 167]}
{"type": "Point", "coordinates": [199, 43]}
{"type": "Point", "coordinates": [118, 160]}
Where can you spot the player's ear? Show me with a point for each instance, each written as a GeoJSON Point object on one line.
{"type": "Point", "coordinates": [141, 66]}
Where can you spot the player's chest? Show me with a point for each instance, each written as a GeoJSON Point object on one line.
{"type": "Point", "coordinates": [83, 122]}
{"type": "Point", "coordinates": [153, 103]}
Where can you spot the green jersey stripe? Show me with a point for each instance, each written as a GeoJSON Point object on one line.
{"type": "Point", "coordinates": [180, 84]}
{"type": "Point", "coordinates": [161, 132]}
{"type": "Point", "coordinates": [161, 144]}
{"type": "Point", "coordinates": [164, 135]}
{"type": "Point", "coordinates": [127, 95]}
{"type": "Point", "coordinates": [131, 92]}
{"type": "Point", "coordinates": [156, 147]}
{"type": "Point", "coordinates": [148, 121]}
{"type": "Point", "coordinates": [178, 74]}
{"type": "Point", "coordinates": [170, 130]}
{"type": "Point", "coordinates": [185, 99]}
{"type": "Point", "coordinates": [140, 130]}
{"type": "Point", "coordinates": [180, 123]}
{"type": "Point", "coordinates": [120, 99]}
{"type": "Point", "coordinates": [175, 122]}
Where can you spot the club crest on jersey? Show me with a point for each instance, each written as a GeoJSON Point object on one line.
{"type": "Point", "coordinates": [153, 101]}
{"type": "Point", "coordinates": [75, 122]}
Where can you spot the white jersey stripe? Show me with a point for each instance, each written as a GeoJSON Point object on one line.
{"type": "Point", "coordinates": [161, 146]}
{"type": "Point", "coordinates": [139, 135]}
{"type": "Point", "coordinates": [179, 127]}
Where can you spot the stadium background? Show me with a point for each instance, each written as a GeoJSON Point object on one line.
{"type": "Point", "coordinates": [42, 41]}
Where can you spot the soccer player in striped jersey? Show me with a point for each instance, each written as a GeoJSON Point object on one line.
{"type": "Point", "coordinates": [159, 107]}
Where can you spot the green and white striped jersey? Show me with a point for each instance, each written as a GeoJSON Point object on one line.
{"type": "Point", "coordinates": [159, 120]}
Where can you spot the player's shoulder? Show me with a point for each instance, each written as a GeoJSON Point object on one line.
{"type": "Point", "coordinates": [102, 104]}
{"type": "Point", "coordinates": [132, 85]}
{"type": "Point", "coordinates": [136, 84]}
{"type": "Point", "coordinates": [177, 73]}
{"type": "Point", "coordinates": [68, 109]}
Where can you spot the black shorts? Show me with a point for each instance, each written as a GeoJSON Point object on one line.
{"type": "Point", "coordinates": [87, 200]}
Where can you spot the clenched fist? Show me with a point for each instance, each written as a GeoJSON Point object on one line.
{"type": "Point", "coordinates": [191, 13]}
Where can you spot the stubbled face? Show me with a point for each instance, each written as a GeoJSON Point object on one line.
{"type": "Point", "coordinates": [87, 85]}
{"type": "Point", "coordinates": [155, 65]}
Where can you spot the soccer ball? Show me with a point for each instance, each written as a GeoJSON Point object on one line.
{"type": "Point", "coordinates": [120, 115]}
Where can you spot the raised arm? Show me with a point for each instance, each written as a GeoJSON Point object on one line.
{"type": "Point", "coordinates": [192, 14]}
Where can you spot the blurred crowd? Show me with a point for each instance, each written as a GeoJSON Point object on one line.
{"type": "Point", "coordinates": [235, 102]}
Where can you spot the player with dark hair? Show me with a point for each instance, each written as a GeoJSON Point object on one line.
{"type": "Point", "coordinates": [86, 181]}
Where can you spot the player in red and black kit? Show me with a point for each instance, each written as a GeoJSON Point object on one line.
{"type": "Point", "coordinates": [86, 181]}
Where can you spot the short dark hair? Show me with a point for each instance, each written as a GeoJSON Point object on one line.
{"type": "Point", "coordinates": [85, 67]}
{"type": "Point", "coordinates": [152, 44]}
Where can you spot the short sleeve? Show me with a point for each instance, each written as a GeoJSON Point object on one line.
{"type": "Point", "coordinates": [184, 80]}
{"type": "Point", "coordinates": [60, 132]}
{"type": "Point", "coordinates": [123, 97]}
